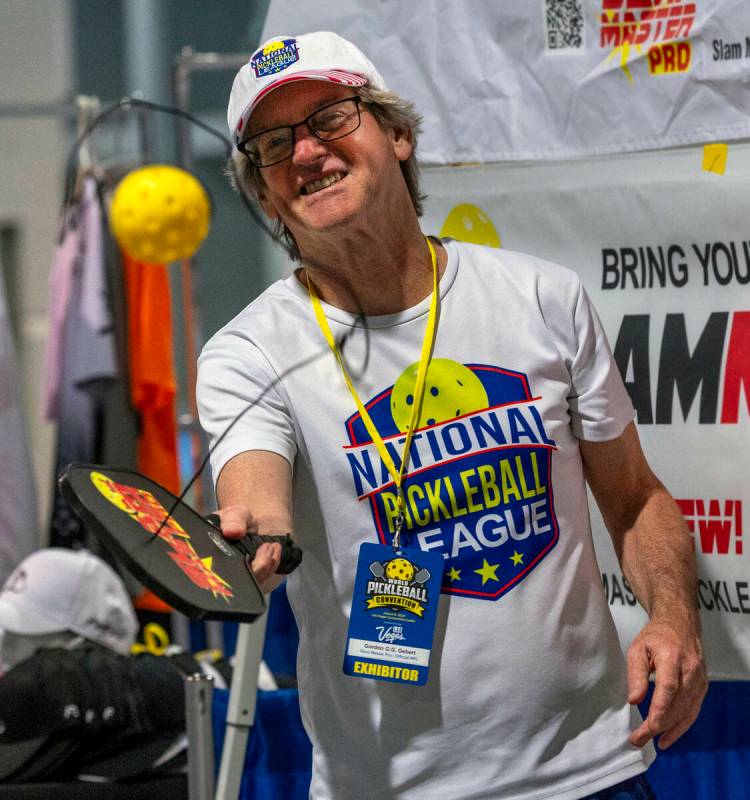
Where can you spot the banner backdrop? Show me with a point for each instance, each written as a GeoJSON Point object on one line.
{"type": "Point", "coordinates": [552, 78]}
{"type": "Point", "coordinates": [663, 248]}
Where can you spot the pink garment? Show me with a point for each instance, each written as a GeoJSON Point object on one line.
{"type": "Point", "coordinates": [82, 239]}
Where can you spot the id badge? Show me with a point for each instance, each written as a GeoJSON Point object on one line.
{"type": "Point", "coordinates": [394, 609]}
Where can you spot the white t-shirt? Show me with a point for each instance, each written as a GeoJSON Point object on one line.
{"type": "Point", "coordinates": [527, 690]}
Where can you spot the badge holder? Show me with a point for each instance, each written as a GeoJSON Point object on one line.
{"type": "Point", "coordinates": [181, 557]}
{"type": "Point", "coordinates": [394, 610]}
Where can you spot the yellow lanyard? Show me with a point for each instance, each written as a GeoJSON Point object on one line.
{"type": "Point", "coordinates": [424, 361]}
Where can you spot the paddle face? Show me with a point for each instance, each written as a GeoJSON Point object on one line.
{"type": "Point", "coordinates": [188, 564]}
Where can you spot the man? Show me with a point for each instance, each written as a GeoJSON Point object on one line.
{"type": "Point", "coordinates": [527, 695]}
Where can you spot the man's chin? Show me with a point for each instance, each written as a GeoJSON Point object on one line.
{"type": "Point", "coordinates": [321, 220]}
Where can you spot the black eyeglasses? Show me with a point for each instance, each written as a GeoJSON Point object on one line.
{"type": "Point", "coordinates": [331, 122]}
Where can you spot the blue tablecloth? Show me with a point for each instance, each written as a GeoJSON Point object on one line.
{"type": "Point", "coordinates": [710, 762]}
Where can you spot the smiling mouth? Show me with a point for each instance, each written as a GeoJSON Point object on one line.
{"type": "Point", "coordinates": [323, 183]}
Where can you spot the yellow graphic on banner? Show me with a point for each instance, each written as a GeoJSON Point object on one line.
{"type": "Point", "coordinates": [669, 58]}
{"type": "Point", "coordinates": [715, 158]}
{"type": "Point", "coordinates": [468, 223]}
{"type": "Point", "coordinates": [624, 53]}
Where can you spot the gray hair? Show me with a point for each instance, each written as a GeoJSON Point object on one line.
{"type": "Point", "coordinates": [389, 110]}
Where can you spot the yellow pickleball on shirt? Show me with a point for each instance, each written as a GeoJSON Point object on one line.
{"type": "Point", "coordinates": [468, 223]}
{"type": "Point", "coordinates": [160, 214]}
{"type": "Point", "coordinates": [451, 390]}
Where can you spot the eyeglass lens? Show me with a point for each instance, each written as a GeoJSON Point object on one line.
{"type": "Point", "coordinates": [331, 122]}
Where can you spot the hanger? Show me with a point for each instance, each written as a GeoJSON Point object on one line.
{"type": "Point", "coordinates": [88, 109]}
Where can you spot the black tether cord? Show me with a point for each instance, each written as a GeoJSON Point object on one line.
{"type": "Point", "coordinates": [131, 104]}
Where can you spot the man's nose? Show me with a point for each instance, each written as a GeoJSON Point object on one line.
{"type": "Point", "coordinates": [307, 146]}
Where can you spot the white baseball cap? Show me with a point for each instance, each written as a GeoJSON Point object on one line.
{"type": "Point", "coordinates": [321, 56]}
{"type": "Point", "coordinates": [57, 589]}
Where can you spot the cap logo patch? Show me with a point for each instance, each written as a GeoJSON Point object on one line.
{"type": "Point", "coordinates": [274, 57]}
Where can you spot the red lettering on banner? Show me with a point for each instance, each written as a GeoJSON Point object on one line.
{"type": "Point", "coordinates": [637, 22]}
{"type": "Point", "coordinates": [714, 529]}
{"type": "Point", "coordinates": [654, 59]}
{"type": "Point", "coordinates": [669, 59]}
{"type": "Point", "coordinates": [737, 372]}
{"type": "Point", "coordinates": [683, 56]}
{"type": "Point", "coordinates": [692, 375]}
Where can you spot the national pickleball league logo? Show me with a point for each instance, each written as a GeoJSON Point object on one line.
{"type": "Point", "coordinates": [479, 486]}
{"type": "Point", "coordinates": [274, 57]}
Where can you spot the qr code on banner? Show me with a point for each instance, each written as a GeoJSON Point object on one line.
{"type": "Point", "coordinates": [564, 24]}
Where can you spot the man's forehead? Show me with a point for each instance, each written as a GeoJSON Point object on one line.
{"type": "Point", "coordinates": [295, 101]}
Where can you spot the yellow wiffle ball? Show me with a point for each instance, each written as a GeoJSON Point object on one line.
{"type": "Point", "coordinates": [160, 213]}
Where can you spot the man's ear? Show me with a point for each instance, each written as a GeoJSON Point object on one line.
{"type": "Point", "coordinates": [403, 143]}
{"type": "Point", "coordinates": [269, 209]}
{"type": "Point", "coordinates": [261, 195]}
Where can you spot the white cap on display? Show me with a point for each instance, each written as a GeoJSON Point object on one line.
{"type": "Point", "coordinates": [321, 56]}
{"type": "Point", "coordinates": [57, 589]}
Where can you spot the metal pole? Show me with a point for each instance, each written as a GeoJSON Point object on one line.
{"type": "Point", "coordinates": [198, 696]}
{"type": "Point", "coordinates": [188, 267]}
{"type": "Point", "coordinates": [185, 64]}
{"type": "Point", "coordinates": [241, 710]}
{"type": "Point", "coordinates": [146, 63]}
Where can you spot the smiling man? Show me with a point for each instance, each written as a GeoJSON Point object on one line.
{"type": "Point", "coordinates": [423, 416]}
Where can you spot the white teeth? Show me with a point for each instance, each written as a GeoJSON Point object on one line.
{"type": "Point", "coordinates": [316, 186]}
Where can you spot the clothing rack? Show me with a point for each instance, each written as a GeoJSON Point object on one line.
{"type": "Point", "coordinates": [108, 171]}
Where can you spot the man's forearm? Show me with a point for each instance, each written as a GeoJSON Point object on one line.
{"type": "Point", "coordinates": [254, 491]}
{"type": "Point", "coordinates": [657, 556]}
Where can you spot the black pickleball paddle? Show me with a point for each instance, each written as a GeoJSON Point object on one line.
{"type": "Point", "coordinates": [188, 564]}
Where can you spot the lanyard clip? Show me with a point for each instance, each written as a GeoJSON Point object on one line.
{"type": "Point", "coordinates": [398, 525]}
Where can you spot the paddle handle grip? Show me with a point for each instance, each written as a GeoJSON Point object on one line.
{"type": "Point", "coordinates": [291, 552]}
